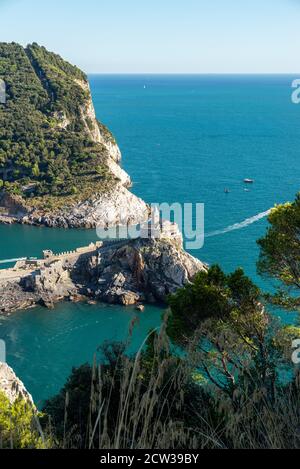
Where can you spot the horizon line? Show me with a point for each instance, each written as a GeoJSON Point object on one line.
{"type": "Point", "coordinates": [198, 73]}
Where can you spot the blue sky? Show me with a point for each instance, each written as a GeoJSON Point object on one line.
{"type": "Point", "coordinates": [161, 36]}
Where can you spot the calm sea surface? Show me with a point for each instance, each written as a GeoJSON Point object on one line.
{"type": "Point", "coordinates": [183, 139]}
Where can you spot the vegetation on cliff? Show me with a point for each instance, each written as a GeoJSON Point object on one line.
{"type": "Point", "coordinates": [280, 254]}
{"type": "Point", "coordinates": [201, 399]}
{"type": "Point", "coordinates": [19, 425]}
{"type": "Point", "coordinates": [46, 148]}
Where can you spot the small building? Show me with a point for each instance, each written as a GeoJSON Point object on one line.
{"type": "Point", "coordinates": [47, 254]}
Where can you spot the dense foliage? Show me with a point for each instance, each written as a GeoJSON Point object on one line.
{"type": "Point", "coordinates": [19, 425]}
{"type": "Point", "coordinates": [280, 253]}
{"type": "Point", "coordinates": [212, 294]}
{"type": "Point", "coordinates": [45, 144]}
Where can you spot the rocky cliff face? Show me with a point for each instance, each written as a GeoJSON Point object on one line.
{"type": "Point", "coordinates": [11, 386]}
{"type": "Point", "coordinates": [117, 206]}
{"type": "Point", "coordinates": [98, 132]}
{"type": "Point", "coordinates": [127, 273]}
{"type": "Point", "coordinates": [140, 271]}
{"type": "Point", "coordinates": [14, 297]}
{"type": "Point", "coordinates": [75, 175]}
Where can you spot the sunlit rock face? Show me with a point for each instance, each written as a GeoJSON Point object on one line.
{"type": "Point", "coordinates": [11, 386]}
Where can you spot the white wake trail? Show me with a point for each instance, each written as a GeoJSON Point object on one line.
{"type": "Point", "coordinates": [236, 226]}
{"type": "Point", "coordinates": [9, 261]}
{"type": "Point", "coordinates": [239, 226]}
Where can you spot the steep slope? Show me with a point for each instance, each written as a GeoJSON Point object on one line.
{"type": "Point", "coordinates": [11, 386]}
{"type": "Point", "coordinates": [54, 154]}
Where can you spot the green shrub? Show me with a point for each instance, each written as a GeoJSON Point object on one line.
{"type": "Point", "coordinates": [19, 425]}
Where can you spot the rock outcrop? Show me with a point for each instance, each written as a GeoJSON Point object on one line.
{"type": "Point", "coordinates": [140, 271]}
{"type": "Point", "coordinates": [51, 284]}
{"type": "Point", "coordinates": [14, 297]}
{"type": "Point", "coordinates": [11, 386]}
{"type": "Point", "coordinates": [125, 273]}
{"type": "Point", "coordinates": [98, 193]}
{"type": "Point", "coordinates": [118, 206]}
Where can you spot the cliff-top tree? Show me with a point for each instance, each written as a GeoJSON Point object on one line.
{"type": "Point", "coordinates": [212, 295]}
{"type": "Point", "coordinates": [280, 253]}
{"type": "Point", "coordinates": [235, 339]}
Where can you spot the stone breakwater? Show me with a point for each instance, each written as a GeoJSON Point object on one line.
{"type": "Point", "coordinates": [124, 272]}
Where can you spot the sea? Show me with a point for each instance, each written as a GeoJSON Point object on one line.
{"type": "Point", "coordinates": [187, 139]}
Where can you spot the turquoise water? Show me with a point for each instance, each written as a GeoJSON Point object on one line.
{"type": "Point", "coordinates": [183, 139]}
{"type": "Point", "coordinates": [43, 346]}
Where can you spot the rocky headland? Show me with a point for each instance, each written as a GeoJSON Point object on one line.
{"type": "Point", "coordinates": [130, 272]}
{"type": "Point", "coordinates": [59, 166]}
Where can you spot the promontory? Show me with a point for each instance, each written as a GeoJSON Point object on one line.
{"type": "Point", "coordinates": [59, 166]}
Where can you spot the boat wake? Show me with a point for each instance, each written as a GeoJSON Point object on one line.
{"type": "Point", "coordinates": [10, 261]}
{"type": "Point", "coordinates": [236, 226]}
{"type": "Point", "coordinates": [239, 226]}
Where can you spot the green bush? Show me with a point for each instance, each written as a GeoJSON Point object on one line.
{"type": "Point", "coordinates": [19, 425]}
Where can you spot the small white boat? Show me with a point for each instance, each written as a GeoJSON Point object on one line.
{"type": "Point", "coordinates": [248, 181]}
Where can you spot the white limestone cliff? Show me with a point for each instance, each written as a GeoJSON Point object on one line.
{"type": "Point", "coordinates": [11, 386]}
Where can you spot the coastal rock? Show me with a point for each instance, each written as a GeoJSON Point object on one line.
{"type": "Point", "coordinates": [143, 269]}
{"type": "Point", "coordinates": [97, 131]}
{"type": "Point", "coordinates": [118, 206]}
{"type": "Point", "coordinates": [127, 273]}
{"type": "Point", "coordinates": [118, 172]}
{"type": "Point", "coordinates": [13, 297]}
{"type": "Point", "coordinates": [120, 296]}
{"type": "Point", "coordinates": [11, 386]}
{"type": "Point", "coordinates": [52, 284]}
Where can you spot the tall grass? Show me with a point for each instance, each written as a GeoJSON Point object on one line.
{"type": "Point", "coordinates": [155, 400]}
